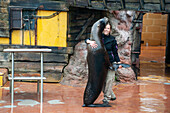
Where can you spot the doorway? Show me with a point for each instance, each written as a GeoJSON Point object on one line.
{"type": "Point", "coordinates": [155, 49]}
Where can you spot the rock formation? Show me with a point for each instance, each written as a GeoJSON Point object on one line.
{"type": "Point", "coordinates": [121, 28]}
{"type": "Point", "coordinates": [77, 71]}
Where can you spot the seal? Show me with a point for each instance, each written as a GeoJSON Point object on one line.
{"type": "Point", "coordinates": [98, 63]}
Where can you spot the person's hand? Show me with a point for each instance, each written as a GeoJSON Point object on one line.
{"type": "Point", "coordinates": [92, 43]}
{"type": "Point", "coordinates": [120, 66]}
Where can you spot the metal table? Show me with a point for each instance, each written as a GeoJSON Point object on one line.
{"type": "Point", "coordinates": [12, 51]}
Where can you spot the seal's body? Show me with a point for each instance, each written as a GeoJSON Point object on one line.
{"type": "Point", "coordinates": [98, 62]}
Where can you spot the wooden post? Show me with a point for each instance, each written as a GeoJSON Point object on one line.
{"type": "Point", "coordinates": [167, 60]}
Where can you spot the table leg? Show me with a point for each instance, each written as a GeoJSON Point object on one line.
{"type": "Point", "coordinates": [38, 87]}
{"type": "Point", "coordinates": [12, 91]}
{"type": "Point", "coordinates": [41, 81]}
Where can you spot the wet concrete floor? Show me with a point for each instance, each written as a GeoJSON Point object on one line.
{"type": "Point", "coordinates": [152, 61]}
{"type": "Point", "coordinates": [150, 94]}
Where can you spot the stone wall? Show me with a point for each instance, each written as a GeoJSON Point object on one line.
{"type": "Point", "coordinates": [4, 23]}
{"type": "Point", "coordinates": [154, 29]}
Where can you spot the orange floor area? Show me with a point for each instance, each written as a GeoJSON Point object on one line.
{"type": "Point", "coordinates": [152, 61]}
{"type": "Point", "coordinates": [153, 53]}
{"type": "Point", "coordinates": [150, 94]}
{"type": "Point", "coordinates": [143, 96]}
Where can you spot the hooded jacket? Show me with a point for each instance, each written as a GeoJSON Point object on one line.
{"type": "Point", "coordinates": [111, 47]}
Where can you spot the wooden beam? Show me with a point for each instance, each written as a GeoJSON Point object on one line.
{"type": "Point", "coordinates": [123, 4]}
{"type": "Point", "coordinates": [84, 27]}
{"type": "Point", "coordinates": [139, 19]}
{"type": "Point", "coordinates": [105, 3]}
{"type": "Point", "coordinates": [89, 2]}
{"type": "Point", "coordinates": [48, 57]}
{"type": "Point", "coordinates": [141, 4]}
{"type": "Point", "coordinates": [74, 2]}
{"type": "Point", "coordinates": [162, 3]}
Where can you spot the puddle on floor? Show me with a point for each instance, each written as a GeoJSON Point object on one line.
{"type": "Point", "coordinates": [7, 106]}
{"type": "Point", "coordinates": [2, 101]}
{"type": "Point", "coordinates": [163, 79]}
{"type": "Point", "coordinates": [55, 102]}
{"type": "Point", "coordinates": [28, 102]}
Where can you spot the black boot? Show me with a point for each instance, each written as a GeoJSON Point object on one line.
{"type": "Point", "coordinates": [105, 102]}
{"type": "Point", "coordinates": [112, 99]}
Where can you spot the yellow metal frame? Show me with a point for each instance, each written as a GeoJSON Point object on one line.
{"type": "Point", "coordinates": [50, 32]}
{"type": "Point", "coordinates": [17, 37]}
{"type": "Point", "coordinates": [4, 40]}
{"type": "Point", "coordinates": [53, 31]}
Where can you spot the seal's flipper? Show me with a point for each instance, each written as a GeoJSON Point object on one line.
{"type": "Point", "coordinates": [96, 105]}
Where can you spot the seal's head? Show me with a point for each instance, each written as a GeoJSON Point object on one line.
{"type": "Point", "coordinates": [99, 26]}
{"type": "Point", "coordinates": [102, 23]}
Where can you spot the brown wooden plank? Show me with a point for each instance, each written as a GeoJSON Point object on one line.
{"type": "Point", "coordinates": [132, 6]}
{"type": "Point", "coordinates": [153, 1]}
{"type": "Point", "coordinates": [2, 47]}
{"type": "Point", "coordinates": [5, 56]}
{"type": "Point", "coordinates": [48, 57]}
{"type": "Point", "coordinates": [74, 31]}
{"type": "Point", "coordinates": [53, 77]}
{"type": "Point", "coordinates": [34, 66]}
{"type": "Point", "coordinates": [152, 7]}
{"type": "Point", "coordinates": [84, 27]}
{"type": "Point", "coordinates": [71, 43]}
{"type": "Point", "coordinates": [62, 50]}
{"type": "Point", "coordinates": [78, 23]}
{"type": "Point", "coordinates": [83, 37]}
{"type": "Point", "coordinates": [131, 1]}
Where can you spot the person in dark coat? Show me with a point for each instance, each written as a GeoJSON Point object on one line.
{"type": "Point", "coordinates": [111, 46]}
